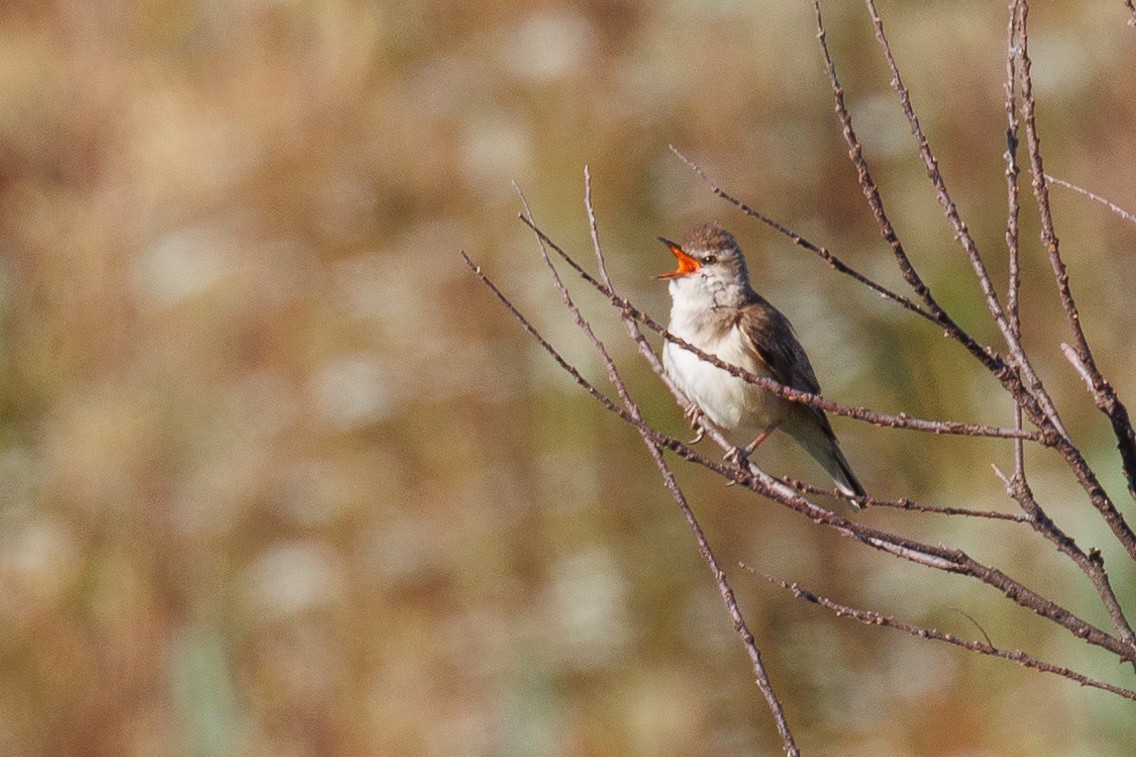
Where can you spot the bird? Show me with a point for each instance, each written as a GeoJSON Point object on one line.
{"type": "Point", "coordinates": [715, 308]}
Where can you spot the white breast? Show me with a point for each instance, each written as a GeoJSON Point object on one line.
{"type": "Point", "coordinates": [732, 404]}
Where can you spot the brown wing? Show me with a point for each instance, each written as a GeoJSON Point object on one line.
{"type": "Point", "coordinates": [772, 338]}
{"type": "Point", "coordinates": [775, 344]}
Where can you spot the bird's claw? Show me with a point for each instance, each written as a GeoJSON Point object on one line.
{"type": "Point", "coordinates": [736, 456]}
{"type": "Point", "coordinates": [694, 417]}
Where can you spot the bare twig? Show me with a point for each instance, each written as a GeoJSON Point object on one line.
{"type": "Point", "coordinates": [1092, 567]}
{"type": "Point", "coordinates": [1103, 393]}
{"type": "Point", "coordinates": [531, 330]}
{"type": "Point", "coordinates": [871, 618]}
{"type": "Point", "coordinates": [871, 192]}
{"type": "Point", "coordinates": [1041, 193]}
{"type": "Point", "coordinates": [704, 549]}
{"type": "Point", "coordinates": [984, 354]}
{"type": "Point", "coordinates": [1013, 208]}
{"type": "Point", "coordinates": [901, 504]}
{"type": "Point", "coordinates": [1078, 365]}
{"type": "Point", "coordinates": [1130, 217]}
{"type": "Point", "coordinates": [1039, 408]}
{"type": "Point", "coordinates": [962, 233]}
{"type": "Point", "coordinates": [1017, 486]}
{"type": "Point", "coordinates": [821, 252]}
{"type": "Point", "coordinates": [976, 624]}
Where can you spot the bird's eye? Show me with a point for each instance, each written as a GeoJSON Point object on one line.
{"type": "Point", "coordinates": [710, 259]}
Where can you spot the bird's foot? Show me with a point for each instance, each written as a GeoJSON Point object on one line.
{"type": "Point", "coordinates": [694, 417]}
{"type": "Point", "coordinates": [739, 457]}
{"type": "Point", "coordinates": [736, 456]}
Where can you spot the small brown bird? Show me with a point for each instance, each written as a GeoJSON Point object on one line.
{"type": "Point", "coordinates": [715, 309]}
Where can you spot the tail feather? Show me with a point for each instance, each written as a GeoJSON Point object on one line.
{"type": "Point", "coordinates": [845, 479]}
{"type": "Point", "coordinates": [820, 442]}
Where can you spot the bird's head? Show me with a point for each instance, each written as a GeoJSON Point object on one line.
{"type": "Point", "coordinates": [710, 262]}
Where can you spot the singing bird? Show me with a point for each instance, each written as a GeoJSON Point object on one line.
{"type": "Point", "coordinates": [714, 308]}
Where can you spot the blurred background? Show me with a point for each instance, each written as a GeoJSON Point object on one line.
{"type": "Point", "coordinates": [282, 478]}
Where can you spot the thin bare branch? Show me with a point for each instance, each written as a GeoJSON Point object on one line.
{"type": "Point", "coordinates": [950, 560]}
{"type": "Point", "coordinates": [871, 618]}
{"type": "Point", "coordinates": [1092, 567]}
{"type": "Point", "coordinates": [822, 252]}
{"type": "Point", "coordinates": [1013, 208]}
{"type": "Point", "coordinates": [1041, 193]}
{"type": "Point", "coordinates": [531, 330]}
{"type": "Point", "coordinates": [985, 354]}
{"type": "Point", "coordinates": [1039, 407]}
{"type": "Point", "coordinates": [1103, 393]}
{"type": "Point", "coordinates": [962, 232]}
{"type": "Point", "coordinates": [760, 674]}
{"type": "Point", "coordinates": [1130, 217]}
{"type": "Point", "coordinates": [1078, 365]}
{"type": "Point", "coordinates": [1018, 486]}
{"type": "Point", "coordinates": [1097, 495]}
{"type": "Point", "coordinates": [704, 549]}
{"type": "Point", "coordinates": [901, 504]}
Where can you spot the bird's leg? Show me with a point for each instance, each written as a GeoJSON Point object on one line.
{"type": "Point", "coordinates": [694, 417]}
{"type": "Point", "coordinates": [741, 456]}
{"type": "Point", "coordinates": [757, 442]}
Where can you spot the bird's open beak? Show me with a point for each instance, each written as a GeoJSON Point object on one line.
{"type": "Point", "coordinates": [686, 264]}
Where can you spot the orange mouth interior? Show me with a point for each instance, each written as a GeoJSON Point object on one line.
{"type": "Point", "coordinates": [686, 264]}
